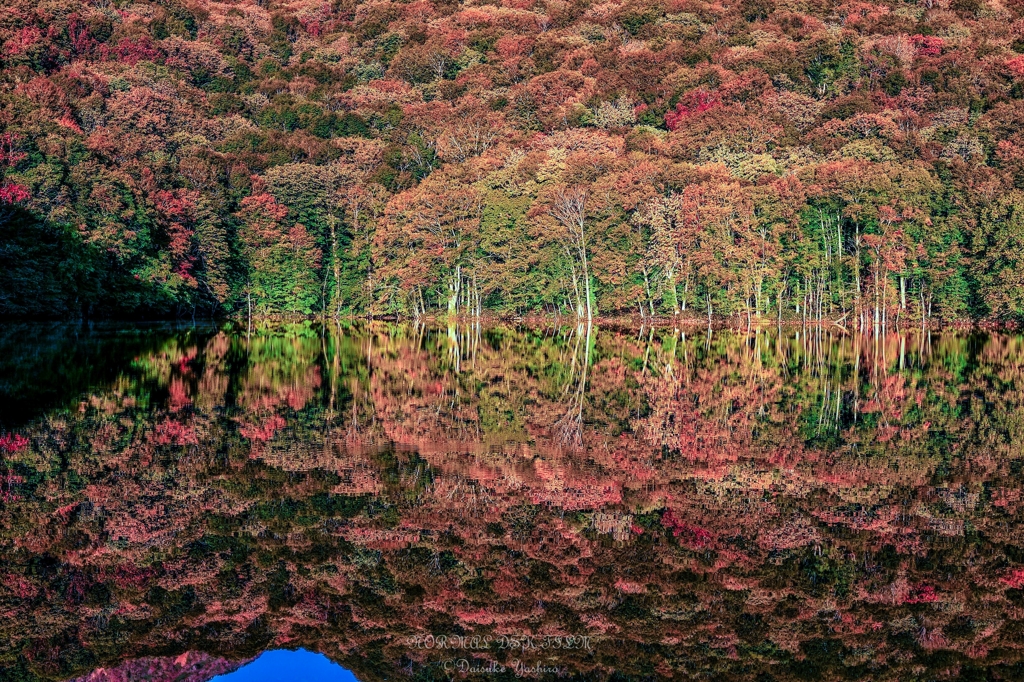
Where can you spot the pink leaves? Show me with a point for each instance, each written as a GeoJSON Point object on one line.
{"type": "Point", "coordinates": [177, 210]}
{"type": "Point", "coordinates": [7, 482]}
{"type": "Point", "coordinates": [130, 51]}
{"type": "Point", "coordinates": [1015, 579]}
{"type": "Point", "coordinates": [11, 192]}
{"type": "Point", "coordinates": [176, 204]}
{"type": "Point", "coordinates": [302, 241]}
{"type": "Point", "coordinates": [265, 206]}
{"type": "Point", "coordinates": [312, 27]}
{"type": "Point", "coordinates": [78, 32]}
{"type": "Point", "coordinates": [186, 360]}
{"type": "Point", "coordinates": [19, 585]}
{"type": "Point", "coordinates": [9, 156]}
{"type": "Point", "coordinates": [264, 431]}
{"type": "Point", "coordinates": [179, 398]}
{"type": "Point", "coordinates": [10, 443]}
{"type": "Point", "coordinates": [173, 433]}
{"type": "Point", "coordinates": [694, 536]}
{"type": "Point", "coordinates": [695, 102]}
{"type": "Point", "coordinates": [22, 41]}
{"type": "Point", "coordinates": [132, 576]}
{"type": "Point", "coordinates": [512, 47]}
{"type": "Point", "coordinates": [66, 121]}
{"type": "Point", "coordinates": [922, 594]}
{"type": "Point", "coordinates": [1016, 65]}
{"type": "Point", "coordinates": [65, 512]}
{"type": "Point", "coordinates": [13, 442]}
{"type": "Point", "coordinates": [628, 587]}
{"type": "Point", "coordinates": [927, 46]}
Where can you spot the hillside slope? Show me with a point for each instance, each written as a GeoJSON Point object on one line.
{"type": "Point", "coordinates": [752, 158]}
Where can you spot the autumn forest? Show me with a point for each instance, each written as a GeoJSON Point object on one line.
{"type": "Point", "coordinates": [687, 329]}
{"type": "Point", "coordinates": [861, 162]}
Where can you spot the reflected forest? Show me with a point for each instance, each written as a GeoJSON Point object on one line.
{"type": "Point", "coordinates": [591, 503]}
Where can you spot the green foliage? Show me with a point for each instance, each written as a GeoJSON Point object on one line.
{"type": "Point", "coordinates": [333, 125]}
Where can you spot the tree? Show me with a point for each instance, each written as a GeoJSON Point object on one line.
{"type": "Point", "coordinates": [427, 240]}
{"type": "Point", "coordinates": [998, 247]}
{"type": "Point", "coordinates": [11, 192]}
{"type": "Point", "coordinates": [566, 209]}
{"type": "Point", "coordinates": [282, 262]}
{"type": "Point", "coordinates": [333, 202]}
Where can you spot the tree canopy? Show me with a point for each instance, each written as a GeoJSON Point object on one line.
{"type": "Point", "coordinates": [859, 160]}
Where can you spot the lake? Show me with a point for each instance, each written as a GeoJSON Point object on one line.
{"type": "Point", "coordinates": [388, 501]}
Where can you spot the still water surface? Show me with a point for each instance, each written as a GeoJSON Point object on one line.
{"type": "Point", "coordinates": [486, 503]}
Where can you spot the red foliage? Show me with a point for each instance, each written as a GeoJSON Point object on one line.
{"type": "Point", "coordinates": [177, 212]}
{"type": "Point", "coordinates": [922, 594]}
{"type": "Point", "coordinates": [179, 398]}
{"type": "Point", "coordinates": [19, 586]}
{"type": "Point", "coordinates": [1015, 579]}
{"type": "Point", "coordinates": [13, 442]}
{"type": "Point", "coordinates": [175, 204]}
{"type": "Point", "coordinates": [695, 536]}
{"type": "Point", "coordinates": [7, 483]}
{"type": "Point", "coordinates": [1016, 65]}
{"type": "Point", "coordinates": [66, 511]}
{"type": "Point", "coordinates": [692, 103]}
{"type": "Point", "coordinates": [78, 32]}
{"type": "Point", "coordinates": [312, 27]}
{"type": "Point", "coordinates": [173, 433]}
{"type": "Point", "coordinates": [13, 193]}
{"type": "Point", "coordinates": [130, 575]}
{"type": "Point", "coordinates": [629, 587]}
{"type": "Point", "coordinates": [24, 39]}
{"type": "Point", "coordinates": [9, 156]}
{"type": "Point", "coordinates": [130, 51]}
{"type": "Point", "coordinates": [264, 431]}
{"type": "Point", "coordinates": [927, 46]}
{"type": "Point", "coordinates": [66, 121]}
{"type": "Point", "coordinates": [186, 360]}
{"type": "Point", "coordinates": [265, 206]}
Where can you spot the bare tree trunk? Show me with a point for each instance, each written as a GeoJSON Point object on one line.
{"type": "Point", "coordinates": [337, 266]}
{"type": "Point", "coordinates": [856, 274]}
{"type": "Point", "coordinates": [781, 291]}
{"type": "Point", "coordinates": [586, 275]}
{"type": "Point", "coordinates": [647, 288]}
{"type": "Point", "coordinates": [454, 287]}
{"type": "Point", "coordinates": [569, 209]}
{"type": "Point", "coordinates": [671, 279]}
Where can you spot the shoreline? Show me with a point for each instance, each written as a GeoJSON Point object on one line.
{"type": "Point", "coordinates": [620, 322]}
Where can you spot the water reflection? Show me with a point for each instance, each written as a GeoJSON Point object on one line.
{"type": "Point", "coordinates": [492, 501]}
